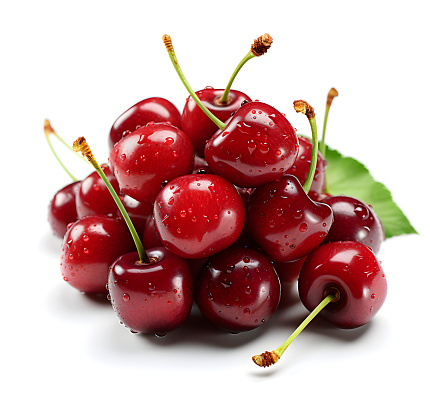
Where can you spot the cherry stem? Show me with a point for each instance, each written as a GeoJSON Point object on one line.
{"type": "Point", "coordinates": [268, 358]}
{"type": "Point", "coordinates": [49, 130]}
{"type": "Point", "coordinates": [304, 107]}
{"type": "Point", "coordinates": [80, 145]}
{"type": "Point", "coordinates": [168, 43]}
{"type": "Point", "coordinates": [258, 48]}
{"type": "Point", "coordinates": [331, 95]}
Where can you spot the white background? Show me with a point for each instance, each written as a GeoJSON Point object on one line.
{"type": "Point", "coordinates": [82, 63]}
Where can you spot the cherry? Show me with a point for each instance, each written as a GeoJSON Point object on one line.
{"type": "Point", "coordinates": [198, 215]}
{"type": "Point", "coordinates": [62, 208]}
{"type": "Point", "coordinates": [151, 297]}
{"type": "Point", "coordinates": [341, 281]}
{"type": "Point", "coordinates": [301, 167]}
{"type": "Point", "coordinates": [139, 212]}
{"type": "Point", "coordinates": [94, 198]}
{"type": "Point", "coordinates": [90, 246]}
{"type": "Point", "coordinates": [354, 220]}
{"type": "Point", "coordinates": [238, 290]}
{"type": "Point", "coordinates": [154, 109]}
{"type": "Point", "coordinates": [151, 291]}
{"type": "Point", "coordinates": [144, 159]}
{"type": "Point", "coordinates": [289, 272]}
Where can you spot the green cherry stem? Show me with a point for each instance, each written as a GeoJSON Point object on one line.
{"type": "Point", "coordinates": [80, 145]}
{"type": "Point", "coordinates": [331, 95]}
{"type": "Point", "coordinates": [258, 48]}
{"type": "Point", "coordinates": [48, 131]}
{"type": "Point", "coordinates": [302, 106]}
{"type": "Point", "coordinates": [266, 359]}
{"type": "Point", "coordinates": [168, 43]}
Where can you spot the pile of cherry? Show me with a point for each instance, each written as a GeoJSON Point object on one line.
{"type": "Point", "coordinates": [219, 211]}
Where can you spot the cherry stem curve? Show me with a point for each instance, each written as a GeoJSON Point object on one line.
{"type": "Point", "coordinates": [168, 43]}
{"type": "Point", "coordinates": [48, 131]}
{"type": "Point", "coordinates": [266, 359]}
{"type": "Point", "coordinates": [331, 95]}
{"type": "Point", "coordinates": [302, 106]}
{"type": "Point", "coordinates": [258, 48]}
{"type": "Point", "coordinates": [80, 145]}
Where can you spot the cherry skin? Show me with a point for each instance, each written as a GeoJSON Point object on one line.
{"type": "Point", "coordinates": [138, 211]}
{"type": "Point", "coordinates": [289, 272]}
{"type": "Point", "coordinates": [197, 125]}
{"type": "Point", "coordinates": [90, 246]}
{"type": "Point", "coordinates": [351, 269]}
{"type": "Point", "coordinates": [154, 297]}
{"type": "Point", "coordinates": [144, 159]}
{"type": "Point", "coordinates": [284, 221]}
{"type": "Point", "coordinates": [354, 220]}
{"type": "Point", "coordinates": [94, 198]}
{"type": "Point", "coordinates": [62, 208]}
{"type": "Point", "coordinates": [238, 290]}
{"type": "Point", "coordinates": [302, 164]}
{"type": "Point", "coordinates": [257, 146]}
{"type": "Point", "coordinates": [155, 109]}
{"type": "Point", "coordinates": [198, 215]}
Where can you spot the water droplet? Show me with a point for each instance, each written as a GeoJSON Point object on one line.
{"type": "Point", "coordinates": [169, 141]}
{"type": "Point", "coordinates": [86, 251]}
{"type": "Point", "coordinates": [85, 237]}
{"type": "Point", "coordinates": [171, 201]}
{"type": "Point", "coordinates": [123, 157]}
{"type": "Point", "coordinates": [247, 311]}
{"type": "Point", "coordinates": [372, 296]}
{"type": "Point", "coordinates": [303, 227]}
{"type": "Point", "coordinates": [126, 297]}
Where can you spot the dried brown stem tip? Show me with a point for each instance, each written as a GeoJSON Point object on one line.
{"type": "Point", "coordinates": [331, 95]}
{"type": "Point", "coordinates": [261, 45]}
{"type": "Point", "coordinates": [304, 107]}
{"type": "Point", "coordinates": [168, 43]}
{"type": "Point", "coordinates": [48, 128]}
{"type": "Point", "coordinates": [80, 145]}
{"type": "Point", "coordinates": [266, 359]}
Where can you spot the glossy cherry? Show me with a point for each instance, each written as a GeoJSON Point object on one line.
{"type": "Point", "coordinates": [257, 145]}
{"type": "Point", "coordinates": [354, 220]}
{"type": "Point", "coordinates": [62, 209]}
{"type": "Point", "coordinates": [94, 198]}
{"type": "Point", "coordinates": [198, 215]}
{"type": "Point", "coordinates": [289, 272]}
{"type": "Point", "coordinates": [144, 159]}
{"type": "Point", "coordinates": [284, 221]}
{"type": "Point", "coordinates": [197, 125]}
{"type": "Point", "coordinates": [351, 270]}
{"type": "Point", "coordinates": [90, 246]}
{"type": "Point", "coordinates": [154, 109]}
{"type": "Point", "coordinates": [238, 290]}
{"type": "Point", "coordinates": [151, 297]}
{"type": "Point", "coordinates": [302, 164]}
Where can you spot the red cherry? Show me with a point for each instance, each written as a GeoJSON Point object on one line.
{"type": "Point", "coordinates": [90, 246]}
{"type": "Point", "coordinates": [94, 198]}
{"type": "Point", "coordinates": [289, 272]}
{"type": "Point", "coordinates": [155, 109]}
{"type": "Point", "coordinates": [62, 208]}
{"type": "Point", "coordinates": [154, 297]}
{"type": "Point", "coordinates": [198, 215]}
{"type": "Point", "coordinates": [302, 164]}
{"type": "Point", "coordinates": [284, 221]}
{"type": "Point", "coordinates": [352, 270]}
{"type": "Point", "coordinates": [139, 212]}
{"type": "Point", "coordinates": [257, 146]}
{"type": "Point", "coordinates": [197, 125]}
{"type": "Point", "coordinates": [238, 290]}
{"type": "Point", "coordinates": [144, 159]}
{"type": "Point", "coordinates": [354, 220]}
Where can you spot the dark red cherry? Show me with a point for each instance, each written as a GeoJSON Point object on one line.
{"type": "Point", "coordinates": [62, 208]}
{"type": "Point", "coordinates": [90, 246]}
{"type": "Point", "coordinates": [257, 146]}
{"type": "Point", "coordinates": [154, 297]}
{"type": "Point", "coordinates": [155, 109]}
{"type": "Point", "coordinates": [289, 272]}
{"type": "Point", "coordinates": [301, 166]}
{"type": "Point", "coordinates": [238, 290]}
{"type": "Point", "coordinates": [354, 220]}
{"type": "Point", "coordinates": [197, 125]}
{"type": "Point", "coordinates": [349, 269]}
{"type": "Point", "coordinates": [94, 198]}
{"type": "Point", "coordinates": [144, 159]}
{"type": "Point", "coordinates": [284, 221]}
{"type": "Point", "coordinates": [198, 215]}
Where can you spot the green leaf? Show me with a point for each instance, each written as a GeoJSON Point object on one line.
{"type": "Point", "coordinates": [345, 175]}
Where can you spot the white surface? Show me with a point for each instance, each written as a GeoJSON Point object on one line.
{"type": "Point", "coordinates": [83, 64]}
